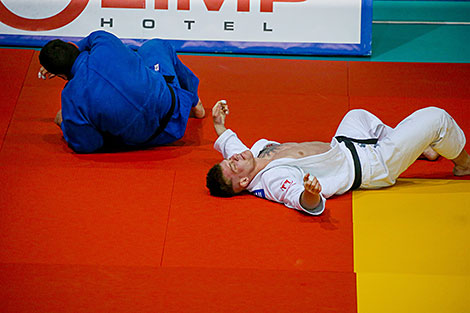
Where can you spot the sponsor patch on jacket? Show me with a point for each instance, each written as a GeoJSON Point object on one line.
{"type": "Point", "coordinates": [259, 193]}
{"type": "Point", "coordinates": [286, 184]}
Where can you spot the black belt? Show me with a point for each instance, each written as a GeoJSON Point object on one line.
{"type": "Point", "coordinates": [357, 163]}
{"type": "Point", "coordinates": [166, 119]}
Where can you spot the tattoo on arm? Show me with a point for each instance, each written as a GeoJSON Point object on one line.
{"type": "Point", "coordinates": [268, 150]}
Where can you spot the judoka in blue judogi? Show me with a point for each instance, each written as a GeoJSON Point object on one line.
{"type": "Point", "coordinates": [119, 97]}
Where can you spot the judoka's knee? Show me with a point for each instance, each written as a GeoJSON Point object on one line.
{"type": "Point", "coordinates": [436, 115]}
{"type": "Point", "coordinates": [358, 114]}
{"type": "Point", "coordinates": [435, 120]}
{"type": "Point", "coordinates": [434, 111]}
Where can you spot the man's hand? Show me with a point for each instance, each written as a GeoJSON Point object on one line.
{"type": "Point", "coordinates": [311, 184]}
{"type": "Point", "coordinates": [219, 112]}
{"type": "Point", "coordinates": [44, 74]}
{"type": "Point", "coordinates": [310, 198]}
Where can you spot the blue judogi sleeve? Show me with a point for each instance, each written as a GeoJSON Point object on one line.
{"type": "Point", "coordinates": [88, 139]}
{"type": "Point", "coordinates": [81, 135]}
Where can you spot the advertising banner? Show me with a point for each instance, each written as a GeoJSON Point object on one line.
{"type": "Point", "coordinates": [304, 27]}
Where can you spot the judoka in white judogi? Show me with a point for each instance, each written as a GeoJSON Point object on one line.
{"type": "Point", "coordinates": [364, 153]}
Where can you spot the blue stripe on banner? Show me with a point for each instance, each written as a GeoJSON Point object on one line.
{"type": "Point", "coordinates": [366, 28]}
{"type": "Point", "coordinates": [221, 46]}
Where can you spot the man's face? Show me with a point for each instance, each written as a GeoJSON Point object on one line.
{"type": "Point", "coordinates": [238, 168]}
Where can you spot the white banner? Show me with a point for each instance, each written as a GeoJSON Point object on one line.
{"type": "Point", "coordinates": [264, 26]}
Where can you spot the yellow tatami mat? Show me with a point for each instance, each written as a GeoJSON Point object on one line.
{"type": "Point", "coordinates": [412, 247]}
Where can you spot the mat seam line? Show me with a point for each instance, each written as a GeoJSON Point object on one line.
{"type": "Point", "coordinates": [16, 102]}
{"type": "Point", "coordinates": [168, 220]}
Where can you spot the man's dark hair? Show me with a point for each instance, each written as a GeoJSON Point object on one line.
{"type": "Point", "coordinates": [218, 184]}
{"type": "Point", "coordinates": [58, 57]}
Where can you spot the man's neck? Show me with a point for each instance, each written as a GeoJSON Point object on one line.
{"type": "Point", "coordinates": [260, 164]}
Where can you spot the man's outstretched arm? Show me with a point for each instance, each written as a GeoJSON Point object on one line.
{"type": "Point", "coordinates": [219, 112]}
{"type": "Point", "coordinates": [227, 142]}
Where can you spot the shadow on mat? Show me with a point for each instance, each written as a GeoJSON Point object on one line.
{"type": "Point", "coordinates": [326, 221]}
{"type": "Point", "coordinates": [114, 146]}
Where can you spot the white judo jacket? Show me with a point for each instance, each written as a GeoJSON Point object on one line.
{"type": "Point", "coordinates": [282, 179]}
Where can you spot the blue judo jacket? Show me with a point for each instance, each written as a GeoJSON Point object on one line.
{"type": "Point", "coordinates": [115, 94]}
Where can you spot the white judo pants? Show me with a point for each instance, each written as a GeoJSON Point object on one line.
{"type": "Point", "coordinates": [397, 148]}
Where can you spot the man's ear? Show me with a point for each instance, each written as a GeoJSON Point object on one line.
{"type": "Point", "coordinates": [244, 182]}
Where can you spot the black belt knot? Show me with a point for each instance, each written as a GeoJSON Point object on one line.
{"type": "Point", "coordinates": [357, 163]}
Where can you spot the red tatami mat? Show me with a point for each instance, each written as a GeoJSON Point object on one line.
{"type": "Point", "coordinates": [409, 80]}
{"type": "Point", "coordinates": [84, 216]}
{"type": "Point", "coordinates": [269, 76]}
{"type": "Point", "coordinates": [137, 231]}
{"type": "Point", "coordinates": [13, 67]}
{"type": "Point", "coordinates": [78, 288]}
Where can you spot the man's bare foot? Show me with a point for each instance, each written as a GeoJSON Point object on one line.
{"type": "Point", "coordinates": [58, 118]}
{"type": "Point", "coordinates": [198, 111]}
{"type": "Point", "coordinates": [461, 171]}
{"type": "Point", "coordinates": [462, 164]}
{"type": "Point", "coordinates": [429, 154]}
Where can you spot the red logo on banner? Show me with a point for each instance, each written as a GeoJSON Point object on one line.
{"type": "Point", "coordinates": [66, 16]}
{"type": "Point", "coordinates": [76, 7]}
{"type": "Point", "coordinates": [267, 5]}
{"type": "Point", "coordinates": [214, 5]}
